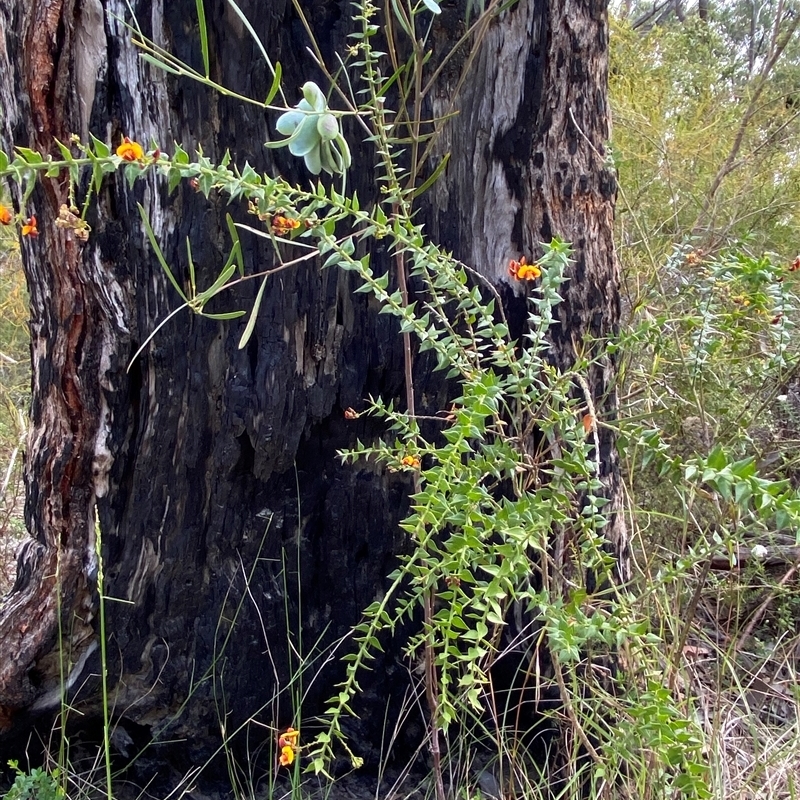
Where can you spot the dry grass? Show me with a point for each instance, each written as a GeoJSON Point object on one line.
{"type": "Point", "coordinates": [14, 398]}
{"type": "Point", "coordinates": [747, 704]}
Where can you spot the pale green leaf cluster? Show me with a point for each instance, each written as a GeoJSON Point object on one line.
{"type": "Point", "coordinates": [314, 134]}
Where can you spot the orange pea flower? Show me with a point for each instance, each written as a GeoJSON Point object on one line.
{"type": "Point", "coordinates": [795, 265]}
{"type": "Point", "coordinates": [410, 461]}
{"type": "Point", "coordinates": [29, 228]}
{"type": "Point", "coordinates": [281, 226]}
{"type": "Point", "coordinates": [5, 215]}
{"type": "Point", "coordinates": [289, 737]}
{"type": "Point", "coordinates": [695, 257]}
{"type": "Point", "coordinates": [130, 151]}
{"type": "Point", "coordinates": [287, 755]}
{"type": "Point", "coordinates": [287, 741]}
{"type": "Point", "coordinates": [523, 271]}
{"type": "Point", "coordinates": [351, 413]}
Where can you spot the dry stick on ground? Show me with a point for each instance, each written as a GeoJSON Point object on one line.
{"type": "Point", "coordinates": [769, 556]}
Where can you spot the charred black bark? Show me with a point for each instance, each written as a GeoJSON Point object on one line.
{"type": "Point", "coordinates": [213, 470]}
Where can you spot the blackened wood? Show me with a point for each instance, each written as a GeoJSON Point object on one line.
{"type": "Point", "coordinates": [206, 464]}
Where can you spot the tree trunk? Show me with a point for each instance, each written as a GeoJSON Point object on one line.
{"type": "Point", "coordinates": [226, 516]}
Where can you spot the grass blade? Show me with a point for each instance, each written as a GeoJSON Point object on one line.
{"type": "Point", "coordinates": [201, 18]}
{"type": "Point", "coordinates": [192, 279]}
{"type": "Point", "coordinates": [252, 32]}
{"type": "Point", "coordinates": [152, 334]}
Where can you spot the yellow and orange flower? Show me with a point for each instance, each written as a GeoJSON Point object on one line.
{"type": "Point", "coordinates": [523, 271]}
{"type": "Point", "coordinates": [30, 229]}
{"type": "Point", "coordinates": [287, 756]}
{"type": "Point", "coordinates": [5, 215]}
{"type": "Point", "coordinates": [282, 226]}
{"type": "Point", "coordinates": [130, 151]}
{"type": "Point", "coordinates": [694, 257]}
{"type": "Point", "coordinates": [289, 737]}
{"type": "Point", "coordinates": [287, 741]}
{"type": "Point", "coordinates": [410, 461]}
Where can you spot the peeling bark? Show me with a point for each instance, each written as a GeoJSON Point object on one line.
{"type": "Point", "coordinates": [204, 462]}
{"type": "Point", "coordinates": [65, 411]}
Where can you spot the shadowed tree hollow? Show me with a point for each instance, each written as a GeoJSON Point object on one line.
{"type": "Point", "coordinates": [232, 533]}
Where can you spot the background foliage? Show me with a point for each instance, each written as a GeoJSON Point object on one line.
{"type": "Point", "coordinates": [706, 143]}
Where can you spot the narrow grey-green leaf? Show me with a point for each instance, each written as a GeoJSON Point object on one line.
{"type": "Point", "coordinates": [251, 323]}
{"type": "Point", "coordinates": [192, 281]}
{"type": "Point", "coordinates": [157, 250]}
{"type": "Point", "coordinates": [225, 315]}
{"type": "Point", "coordinates": [218, 284]}
{"type": "Point", "coordinates": [276, 84]}
{"type": "Point", "coordinates": [157, 62]}
{"type": "Point", "coordinates": [434, 176]}
{"type": "Point", "coordinates": [236, 243]}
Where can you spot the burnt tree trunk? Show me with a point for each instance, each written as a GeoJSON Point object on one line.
{"type": "Point", "coordinates": [213, 471]}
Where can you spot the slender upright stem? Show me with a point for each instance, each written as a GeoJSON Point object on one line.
{"type": "Point", "coordinates": [103, 658]}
